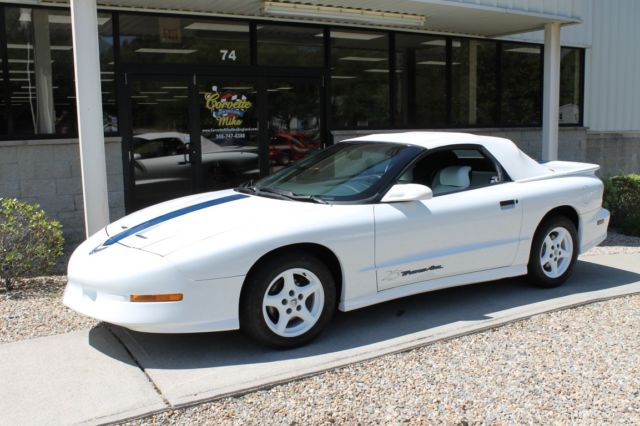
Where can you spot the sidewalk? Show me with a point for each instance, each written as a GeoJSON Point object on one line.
{"type": "Point", "coordinates": [109, 373]}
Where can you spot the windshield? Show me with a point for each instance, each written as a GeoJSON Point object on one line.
{"type": "Point", "coordinates": [345, 172]}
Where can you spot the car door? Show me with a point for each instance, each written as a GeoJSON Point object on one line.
{"type": "Point", "coordinates": [162, 160]}
{"type": "Point", "coordinates": [462, 229]}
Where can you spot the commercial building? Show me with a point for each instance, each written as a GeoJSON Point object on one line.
{"type": "Point", "coordinates": [117, 104]}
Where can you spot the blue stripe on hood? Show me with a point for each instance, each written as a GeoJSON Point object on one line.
{"type": "Point", "coordinates": [165, 217]}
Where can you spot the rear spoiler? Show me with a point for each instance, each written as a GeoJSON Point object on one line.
{"type": "Point", "coordinates": [563, 169]}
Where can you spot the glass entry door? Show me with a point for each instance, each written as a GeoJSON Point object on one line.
{"type": "Point", "coordinates": [160, 154]}
{"type": "Point", "coordinates": [228, 123]}
{"type": "Point", "coordinates": [184, 135]}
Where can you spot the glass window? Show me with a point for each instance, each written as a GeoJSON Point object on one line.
{"type": "Point", "coordinates": [41, 70]}
{"type": "Point", "coordinates": [280, 45]}
{"type": "Point", "coordinates": [160, 39]}
{"type": "Point", "coordinates": [107, 73]}
{"type": "Point", "coordinates": [4, 113]}
{"type": "Point", "coordinates": [229, 130]}
{"type": "Point", "coordinates": [39, 52]}
{"type": "Point", "coordinates": [293, 108]}
{"type": "Point", "coordinates": [521, 84]}
{"type": "Point", "coordinates": [162, 162]}
{"type": "Point", "coordinates": [473, 82]}
{"type": "Point", "coordinates": [570, 85]}
{"type": "Point", "coordinates": [359, 79]}
{"type": "Point", "coordinates": [342, 172]}
{"type": "Point", "coordinates": [453, 170]}
{"type": "Point", "coordinates": [421, 80]}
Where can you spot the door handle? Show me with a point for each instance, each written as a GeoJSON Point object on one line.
{"type": "Point", "coordinates": [508, 203]}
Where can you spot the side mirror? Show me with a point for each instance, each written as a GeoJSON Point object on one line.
{"type": "Point", "coordinates": [407, 192]}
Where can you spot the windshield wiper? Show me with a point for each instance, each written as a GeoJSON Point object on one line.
{"type": "Point", "coordinates": [279, 193]}
{"type": "Point", "coordinates": [293, 196]}
{"type": "Point", "coordinates": [311, 198]}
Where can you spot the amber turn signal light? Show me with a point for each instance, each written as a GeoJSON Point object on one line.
{"type": "Point", "coordinates": [175, 297]}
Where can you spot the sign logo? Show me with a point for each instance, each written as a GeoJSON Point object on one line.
{"type": "Point", "coordinates": [420, 271]}
{"type": "Point", "coordinates": [227, 108]}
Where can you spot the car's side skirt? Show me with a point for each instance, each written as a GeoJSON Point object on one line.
{"type": "Point", "coordinates": [431, 285]}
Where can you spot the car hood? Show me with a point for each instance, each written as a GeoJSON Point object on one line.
{"type": "Point", "coordinates": [172, 225]}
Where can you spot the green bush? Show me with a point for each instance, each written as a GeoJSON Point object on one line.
{"type": "Point", "coordinates": [30, 243]}
{"type": "Point", "coordinates": [622, 198]}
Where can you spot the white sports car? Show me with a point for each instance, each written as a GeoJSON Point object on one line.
{"type": "Point", "coordinates": [361, 222]}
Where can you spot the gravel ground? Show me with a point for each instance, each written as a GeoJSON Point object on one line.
{"type": "Point", "coordinates": [556, 368]}
{"type": "Point", "coordinates": [34, 309]}
{"type": "Point", "coordinates": [615, 244]}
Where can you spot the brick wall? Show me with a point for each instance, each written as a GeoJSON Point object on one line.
{"type": "Point", "coordinates": [48, 173]}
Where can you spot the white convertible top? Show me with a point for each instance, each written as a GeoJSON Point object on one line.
{"type": "Point", "coordinates": [516, 163]}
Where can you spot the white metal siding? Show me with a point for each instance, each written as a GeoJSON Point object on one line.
{"type": "Point", "coordinates": [565, 8]}
{"type": "Point", "coordinates": [614, 82]}
{"type": "Point", "coordinates": [572, 35]}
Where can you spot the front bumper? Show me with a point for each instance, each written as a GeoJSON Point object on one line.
{"type": "Point", "coordinates": [101, 283]}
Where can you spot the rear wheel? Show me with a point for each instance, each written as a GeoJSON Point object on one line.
{"type": "Point", "coordinates": [553, 252]}
{"type": "Point", "coordinates": [288, 300]}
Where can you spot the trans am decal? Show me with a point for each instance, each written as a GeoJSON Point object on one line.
{"type": "Point", "coordinates": [420, 271]}
{"type": "Point", "coordinates": [398, 275]}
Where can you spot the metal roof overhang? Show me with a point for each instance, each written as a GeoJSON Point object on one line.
{"type": "Point", "coordinates": [442, 16]}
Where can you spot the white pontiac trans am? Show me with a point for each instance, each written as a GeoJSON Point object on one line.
{"type": "Point", "coordinates": [364, 221]}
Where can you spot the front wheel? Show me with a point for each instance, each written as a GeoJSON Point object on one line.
{"type": "Point", "coordinates": [553, 253]}
{"type": "Point", "coordinates": [288, 301]}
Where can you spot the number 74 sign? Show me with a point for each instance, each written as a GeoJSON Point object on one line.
{"type": "Point", "coordinates": [228, 55]}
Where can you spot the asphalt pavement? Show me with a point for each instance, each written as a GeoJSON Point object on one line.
{"type": "Point", "coordinates": [109, 373]}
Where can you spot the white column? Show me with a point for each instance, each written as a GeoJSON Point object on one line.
{"type": "Point", "coordinates": [551, 92]}
{"type": "Point", "coordinates": [84, 25]}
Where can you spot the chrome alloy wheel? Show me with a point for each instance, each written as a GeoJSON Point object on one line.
{"type": "Point", "coordinates": [293, 302]}
{"type": "Point", "coordinates": [556, 252]}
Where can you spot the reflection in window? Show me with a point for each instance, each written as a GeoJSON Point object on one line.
{"type": "Point", "coordinates": [473, 82]}
{"type": "Point", "coordinates": [421, 80]}
{"type": "Point", "coordinates": [293, 121]}
{"type": "Point", "coordinates": [107, 74]}
{"type": "Point", "coordinates": [570, 85]}
{"type": "Point", "coordinates": [359, 79]}
{"type": "Point", "coordinates": [160, 39]}
{"type": "Point", "coordinates": [521, 88]}
{"type": "Point", "coordinates": [3, 106]}
{"type": "Point", "coordinates": [41, 71]}
{"type": "Point", "coordinates": [280, 45]}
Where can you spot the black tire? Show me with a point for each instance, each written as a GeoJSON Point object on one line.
{"type": "Point", "coordinates": [542, 274]}
{"type": "Point", "coordinates": [267, 279]}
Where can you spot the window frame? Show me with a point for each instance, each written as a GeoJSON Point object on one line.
{"type": "Point", "coordinates": [503, 177]}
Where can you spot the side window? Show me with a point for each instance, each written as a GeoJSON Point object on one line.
{"type": "Point", "coordinates": [147, 149]}
{"type": "Point", "coordinates": [453, 170]}
{"type": "Point", "coordinates": [173, 146]}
